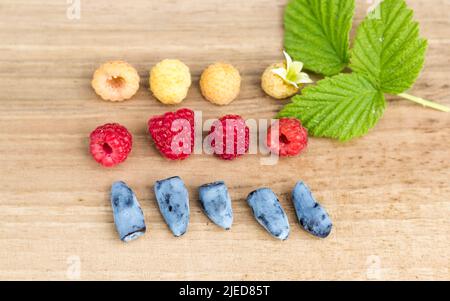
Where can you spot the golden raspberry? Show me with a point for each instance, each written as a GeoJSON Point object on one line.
{"type": "Point", "coordinates": [115, 81]}
{"type": "Point", "coordinates": [220, 83]}
{"type": "Point", "coordinates": [274, 85]}
{"type": "Point", "coordinates": [170, 81]}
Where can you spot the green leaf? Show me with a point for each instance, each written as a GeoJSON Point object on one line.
{"type": "Point", "coordinates": [343, 107]}
{"type": "Point", "coordinates": [317, 33]}
{"type": "Point", "coordinates": [388, 48]}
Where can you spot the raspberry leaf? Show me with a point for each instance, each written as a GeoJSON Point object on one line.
{"type": "Point", "coordinates": [343, 107]}
{"type": "Point", "coordinates": [317, 33]}
{"type": "Point", "coordinates": [388, 48]}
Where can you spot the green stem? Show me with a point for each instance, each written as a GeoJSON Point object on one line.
{"type": "Point", "coordinates": [425, 103]}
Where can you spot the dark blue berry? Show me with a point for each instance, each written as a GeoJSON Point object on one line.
{"type": "Point", "coordinates": [311, 216]}
{"type": "Point", "coordinates": [216, 203]}
{"type": "Point", "coordinates": [269, 213]}
{"type": "Point", "coordinates": [128, 215]}
{"type": "Point", "coordinates": [173, 202]}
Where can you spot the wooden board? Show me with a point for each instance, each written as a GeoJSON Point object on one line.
{"type": "Point", "coordinates": [388, 193]}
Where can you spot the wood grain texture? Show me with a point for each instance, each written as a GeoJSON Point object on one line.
{"type": "Point", "coordinates": [388, 193]}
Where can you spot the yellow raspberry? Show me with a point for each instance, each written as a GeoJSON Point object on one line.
{"type": "Point", "coordinates": [170, 81]}
{"type": "Point", "coordinates": [274, 85]}
{"type": "Point", "coordinates": [115, 81]}
{"type": "Point", "coordinates": [220, 83]}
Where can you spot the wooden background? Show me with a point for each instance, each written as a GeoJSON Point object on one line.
{"type": "Point", "coordinates": [387, 193]}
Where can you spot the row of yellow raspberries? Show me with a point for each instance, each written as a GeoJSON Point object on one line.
{"type": "Point", "coordinates": [170, 81]}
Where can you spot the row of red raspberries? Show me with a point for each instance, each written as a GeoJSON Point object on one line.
{"type": "Point", "coordinates": [173, 135]}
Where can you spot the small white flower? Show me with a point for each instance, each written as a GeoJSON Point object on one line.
{"type": "Point", "coordinates": [292, 73]}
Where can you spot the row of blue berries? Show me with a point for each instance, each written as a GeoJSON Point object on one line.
{"type": "Point", "coordinates": [173, 201]}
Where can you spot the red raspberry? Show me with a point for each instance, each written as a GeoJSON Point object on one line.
{"type": "Point", "coordinates": [173, 133]}
{"type": "Point", "coordinates": [290, 140]}
{"type": "Point", "coordinates": [233, 127]}
{"type": "Point", "coordinates": [110, 144]}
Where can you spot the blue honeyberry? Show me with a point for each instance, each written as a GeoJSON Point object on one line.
{"type": "Point", "coordinates": [216, 203]}
{"type": "Point", "coordinates": [128, 215]}
{"type": "Point", "coordinates": [269, 213]}
{"type": "Point", "coordinates": [310, 214]}
{"type": "Point", "coordinates": [173, 201]}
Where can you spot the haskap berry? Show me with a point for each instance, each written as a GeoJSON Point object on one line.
{"type": "Point", "coordinates": [290, 139]}
{"type": "Point", "coordinates": [235, 136]}
{"type": "Point", "coordinates": [173, 133]}
{"type": "Point", "coordinates": [110, 144]}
